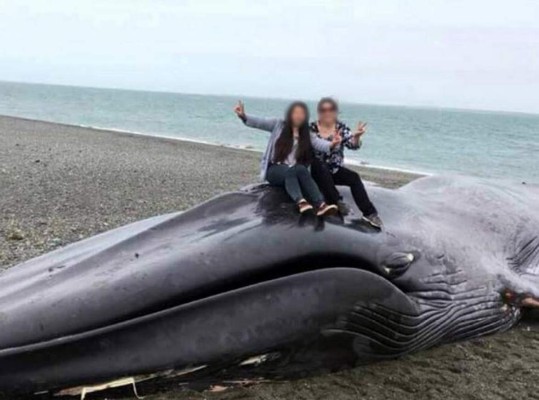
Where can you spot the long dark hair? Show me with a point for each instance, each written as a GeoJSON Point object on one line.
{"type": "Point", "coordinates": [283, 146]}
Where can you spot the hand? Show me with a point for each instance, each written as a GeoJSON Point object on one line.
{"type": "Point", "coordinates": [240, 109]}
{"type": "Point", "coordinates": [361, 129]}
{"type": "Point", "coordinates": [337, 139]}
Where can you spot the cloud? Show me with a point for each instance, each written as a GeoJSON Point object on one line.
{"type": "Point", "coordinates": [480, 54]}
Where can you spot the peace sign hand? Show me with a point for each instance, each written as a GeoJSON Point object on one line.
{"type": "Point", "coordinates": [337, 139]}
{"type": "Point", "coordinates": [361, 129]}
{"type": "Point", "coordinates": [240, 109]}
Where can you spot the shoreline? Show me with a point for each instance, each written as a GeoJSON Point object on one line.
{"type": "Point", "coordinates": [204, 142]}
{"type": "Point", "coordinates": [244, 148]}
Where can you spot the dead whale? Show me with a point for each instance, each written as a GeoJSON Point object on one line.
{"type": "Point", "coordinates": [243, 286]}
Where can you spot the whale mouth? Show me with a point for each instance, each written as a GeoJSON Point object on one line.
{"type": "Point", "coordinates": [169, 261]}
{"type": "Point", "coordinates": [283, 270]}
{"type": "Point", "coordinates": [281, 314]}
{"type": "Point", "coordinates": [287, 269]}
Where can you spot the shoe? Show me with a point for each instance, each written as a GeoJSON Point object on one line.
{"type": "Point", "coordinates": [344, 208]}
{"type": "Point", "coordinates": [304, 206]}
{"type": "Point", "coordinates": [374, 220]}
{"type": "Point", "coordinates": [325, 209]}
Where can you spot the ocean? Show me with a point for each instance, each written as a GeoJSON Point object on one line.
{"type": "Point", "coordinates": [427, 140]}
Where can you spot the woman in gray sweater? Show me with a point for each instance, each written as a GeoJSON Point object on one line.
{"type": "Point", "coordinates": [289, 153]}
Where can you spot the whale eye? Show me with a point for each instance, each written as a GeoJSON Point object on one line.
{"type": "Point", "coordinates": [398, 263]}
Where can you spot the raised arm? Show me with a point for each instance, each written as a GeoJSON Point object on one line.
{"type": "Point", "coordinates": [265, 124]}
{"type": "Point", "coordinates": [352, 140]}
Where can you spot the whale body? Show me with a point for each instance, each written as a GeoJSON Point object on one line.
{"type": "Point", "coordinates": [242, 285]}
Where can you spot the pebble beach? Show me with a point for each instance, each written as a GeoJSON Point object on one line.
{"type": "Point", "coordinates": [62, 183]}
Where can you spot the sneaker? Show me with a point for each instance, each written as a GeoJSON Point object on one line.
{"type": "Point", "coordinates": [325, 209]}
{"type": "Point", "coordinates": [304, 206]}
{"type": "Point", "coordinates": [344, 208]}
{"type": "Point", "coordinates": [374, 220]}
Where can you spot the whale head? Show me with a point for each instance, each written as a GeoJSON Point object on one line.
{"type": "Point", "coordinates": [243, 277]}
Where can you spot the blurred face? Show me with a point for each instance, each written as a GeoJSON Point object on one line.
{"type": "Point", "coordinates": [298, 116]}
{"type": "Point", "coordinates": [327, 113]}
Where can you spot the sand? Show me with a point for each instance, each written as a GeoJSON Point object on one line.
{"type": "Point", "coordinates": [60, 184]}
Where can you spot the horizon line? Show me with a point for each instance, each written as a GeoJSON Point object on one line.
{"type": "Point", "coordinates": [412, 106]}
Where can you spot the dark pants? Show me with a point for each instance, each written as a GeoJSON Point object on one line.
{"type": "Point", "coordinates": [296, 180]}
{"type": "Point", "coordinates": [327, 182]}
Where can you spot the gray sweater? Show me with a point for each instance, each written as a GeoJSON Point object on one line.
{"type": "Point", "coordinates": [275, 126]}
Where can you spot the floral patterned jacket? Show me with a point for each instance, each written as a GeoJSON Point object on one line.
{"type": "Point", "coordinates": [335, 158]}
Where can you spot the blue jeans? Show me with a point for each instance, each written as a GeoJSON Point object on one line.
{"type": "Point", "coordinates": [297, 181]}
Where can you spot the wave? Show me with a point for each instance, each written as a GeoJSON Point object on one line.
{"type": "Point", "coordinates": [365, 164]}
{"type": "Point", "coordinates": [169, 137]}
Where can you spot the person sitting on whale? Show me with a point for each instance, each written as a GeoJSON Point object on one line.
{"type": "Point", "coordinates": [328, 169]}
{"type": "Point", "coordinates": [289, 153]}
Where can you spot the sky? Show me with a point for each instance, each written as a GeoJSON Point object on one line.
{"type": "Point", "coordinates": [443, 53]}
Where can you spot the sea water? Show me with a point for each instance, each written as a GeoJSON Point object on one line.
{"type": "Point", "coordinates": [430, 140]}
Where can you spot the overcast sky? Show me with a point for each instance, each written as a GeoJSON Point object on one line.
{"type": "Point", "coordinates": [459, 53]}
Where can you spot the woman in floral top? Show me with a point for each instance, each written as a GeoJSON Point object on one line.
{"type": "Point", "coordinates": [328, 169]}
